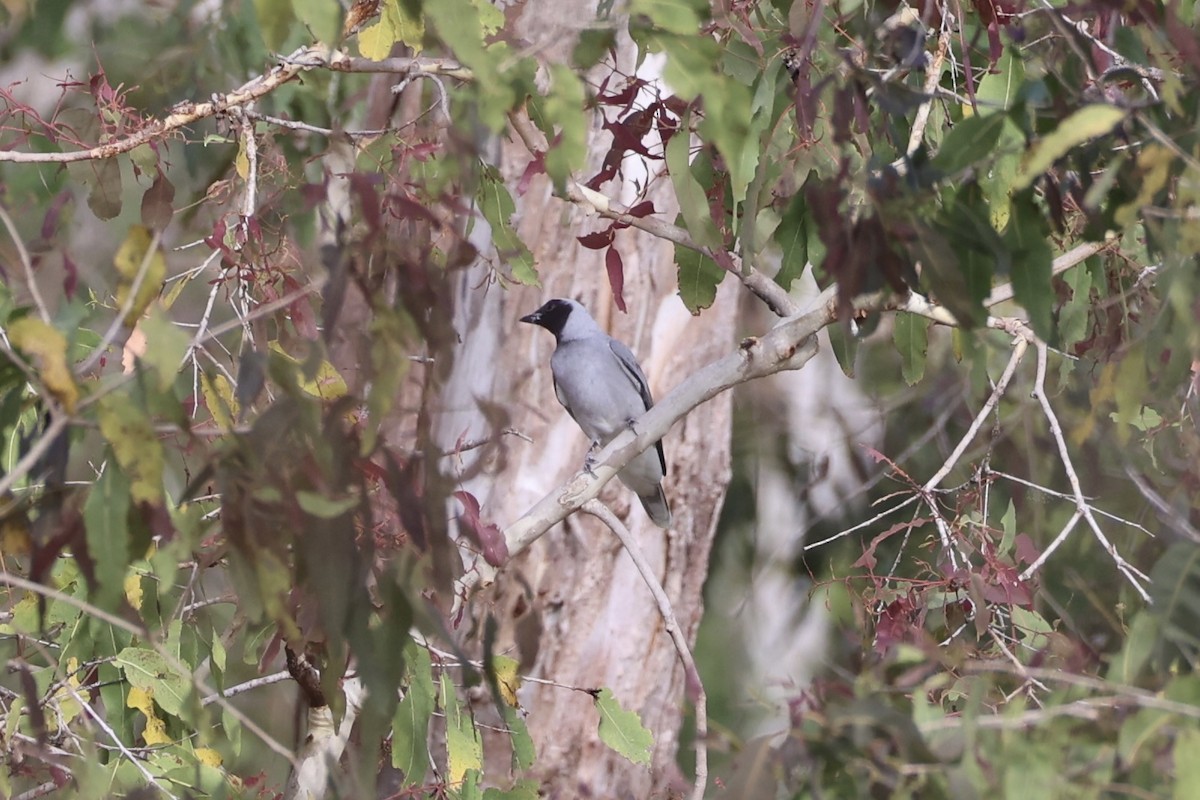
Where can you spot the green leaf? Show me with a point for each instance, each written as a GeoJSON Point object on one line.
{"type": "Point", "coordinates": [676, 16]}
{"type": "Point", "coordinates": [623, 730]}
{"type": "Point", "coordinates": [324, 507]}
{"type": "Point", "coordinates": [693, 202]}
{"type": "Point", "coordinates": [997, 182]}
{"type": "Point", "coordinates": [1073, 318]}
{"type": "Point", "coordinates": [1027, 236]}
{"type": "Point", "coordinates": [1187, 764]}
{"type": "Point", "coordinates": [970, 141]}
{"type": "Point", "coordinates": [593, 45]}
{"type": "Point", "coordinates": [135, 444]}
{"type": "Point", "coordinates": [464, 748]}
{"type": "Point", "coordinates": [521, 790]}
{"type": "Point", "coordinates": [1175, 590]}
{"type": "Point", "coordinates": [323, 18]}
{"type": "Point", "coordinates": [910, 334]}
{"type": "Point", "coordinates": [1008, 524]}
{"type": "Point", "coordinates": [147, 669]}
{"type": "Point", "coordinates": [1140, 643]}
{"type": "Point", "coordinates": [1131, 385]}
{"type": "Point", "coordinates": [523, 751]}
{"type": "Point", "coordinates": [844, 343]}
{"type": "Point", "coordinates": [166, 346]}
{"type": "Point", "coordinates": [792, 237]}
{"type": "Point", "coordinates": [1001, 85]}
{"type": "Point", "coordinates": [946, 274]}
{"type": "Point", "coordinates": [410, 725]}
{"type": "Point", "coordinates": [497, 207]}
{"type": "Point", "coordinates": [105, 517]}
{"type": "Point", "coordinates": [1086, 123]}
{"type": "Point", "coordinates": [1033, 628]}
{"type": "Point", "coordinates": [564, 106]}
{"type": "Point", "coordinates": [699, 277]}
{"type": "Point", "coordinates": [275, 20]}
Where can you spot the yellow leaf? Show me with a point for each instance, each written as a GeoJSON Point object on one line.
{"type": "Point", "coordinates": [135, 445]}
{"type": "Point", "coordinates": [156, 729]}
{"type": "Point", "coordinates": [66, 698]}
{"type": "Point", "coordinates": [242, 163]}
{"type": "Point", "coordinates": [218, 396]}
{"type": "Point", "coordinates": [14, 528]}
{"type": "Point", "coordinates": [507, 677]}
{"type": "Point", "coordinates": [394, 25]}
{"type": "Point", "coordinates": [327, 384]}
{"type": "Point", "coordinates": [48, 349]}
{"type": "Point", "coordinates": [133, 590]}
{"type": "Point", "coordinates": [131, 255]}
{"type": "Point", "coordinates": [208, 756]}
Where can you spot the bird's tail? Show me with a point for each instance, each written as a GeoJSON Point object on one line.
{"type": "Point", "coordinates": [656, 507]}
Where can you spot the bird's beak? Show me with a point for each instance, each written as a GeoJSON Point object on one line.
{"type": "Point", "coordinates": [533, 319]}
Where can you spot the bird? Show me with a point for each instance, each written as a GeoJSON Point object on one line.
{"type": "Point", "coordinates": [599, 383]}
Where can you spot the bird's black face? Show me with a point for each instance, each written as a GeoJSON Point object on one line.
{"type": "Point", "coordinates": [552, 316]}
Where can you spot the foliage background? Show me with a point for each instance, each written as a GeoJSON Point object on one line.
{"type": "Point", "coordinates": [263, 391]}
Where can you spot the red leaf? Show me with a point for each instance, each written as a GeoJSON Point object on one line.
{"type": "Point", "coordinates": [70, 277]}
{"type": "Point", "coordinates": [487, 535]}
{"type": "Point", "coordinates": [536, 166]}
{"type": "Point", "coordinates": [616, 276]}
{"type": "Point", "coordinates": [1025, 550]}
{"type": "Point", "coordinates": [598, 240]}
{"type": "Point", "coordinates": [643, 209]}
{"type": "Point", "coordinates": [50, 220]}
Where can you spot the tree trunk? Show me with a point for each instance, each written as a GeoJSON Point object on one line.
{"type": "Point", "coordinates": [573, 608]}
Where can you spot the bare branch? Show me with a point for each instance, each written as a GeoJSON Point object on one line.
{"type": "Point", "coordinates": [27, 265]}
{"type": "Point", "coordinates": [187, 113]}
{"type": "Point", "coordinates": [671, 625]}
{"type": "Point", "coordinates": [1132, 573]}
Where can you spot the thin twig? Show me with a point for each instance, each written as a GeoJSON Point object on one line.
{"type": "Point", "coordinates": [1064, 496]}
{"type": "Point", "coordinates": [27, 265]}
{"type": "Point", "coordinates": [691, 674]}
{"type": "Point", "coordinates": [1020, 345]}
{"type": "Point", "coordinates": [932, 77]}
{"type": "Point", "coordinates": [246, 686]}
{"type": "Point", "coordinates": [861, 525]}
{"type": "Point", "coordinates": [41, 790]}
{"type": "Point", "coordinates": [1132, 573]}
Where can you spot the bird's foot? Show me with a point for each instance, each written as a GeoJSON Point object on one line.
{"type": "Point", "coordinates": [589, 460]}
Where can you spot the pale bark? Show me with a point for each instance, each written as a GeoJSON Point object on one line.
{"type": "Point", "coordinates": [573, 608]}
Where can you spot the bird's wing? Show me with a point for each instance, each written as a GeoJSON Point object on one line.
{"type": "Point", "coordinates": [629, 366]}
{"type": "Point", "coordinates": [633, 371]}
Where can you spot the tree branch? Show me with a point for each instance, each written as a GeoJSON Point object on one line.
{"type": "Point", "coordinates": [671, 624]}
{"type": "Point", "coordinates": [187, 113]}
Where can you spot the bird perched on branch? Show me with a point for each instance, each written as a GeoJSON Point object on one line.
{"type": "Point", "coordinates": [599, 382]}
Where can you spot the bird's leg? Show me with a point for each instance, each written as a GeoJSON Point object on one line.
{"type": "Point", "coordinates": [589, 460]}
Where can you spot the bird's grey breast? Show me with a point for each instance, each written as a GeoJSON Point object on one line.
{"type": "Point", "coordinates": [594, 387]}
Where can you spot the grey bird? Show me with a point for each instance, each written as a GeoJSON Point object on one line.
{"type": "Point", "coordinates": [599, 382]}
